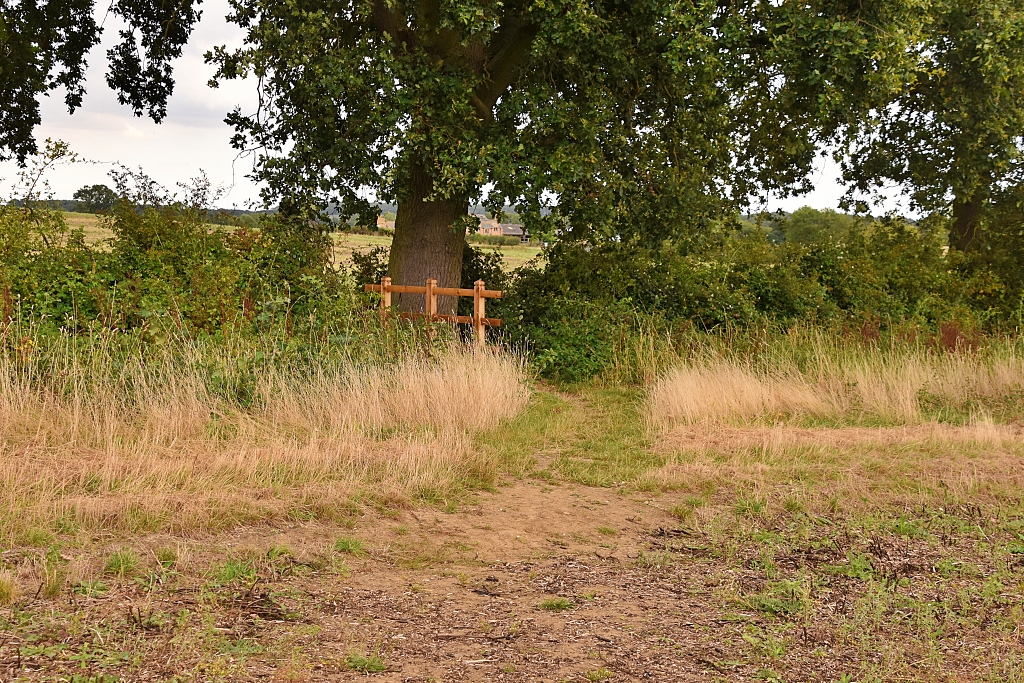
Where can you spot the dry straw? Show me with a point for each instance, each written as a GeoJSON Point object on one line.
{"type": "Point", "coordinates": [150, 445]}
{"type": "Point", "coordinates": [840, 425]}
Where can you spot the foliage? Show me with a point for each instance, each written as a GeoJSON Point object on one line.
{"type": "Point", "coordinates": [165, 268]}
{"type": "Point", "coordinates": [634, 120]}
{"type": "Point", "coordinates": [577, 311]}
{"type": "Point", "coordinates": [952, 136]}
{"type": "Point", "coordinates": [45, 46]}
{"type": "Point", "coordinates": [95, 198]}
{"type": "Point", "coordinates": [811, 226]}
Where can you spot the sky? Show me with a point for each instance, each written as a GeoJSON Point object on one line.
{"type": "Point", "coordinates": [194, 137]}
{"type": "Point", "coordinates": [191, 139]}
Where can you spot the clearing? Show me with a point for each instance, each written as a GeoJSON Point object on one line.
{"type": "Point", "coordinates": [606, 551]}
{"type": "Point", "coordinates": [345, 243]}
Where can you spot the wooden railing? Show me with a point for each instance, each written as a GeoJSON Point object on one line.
{"type": "Point", "coordinates": [431, 291]}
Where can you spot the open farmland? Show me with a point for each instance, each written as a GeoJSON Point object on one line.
{"type": "Point", "coordinates": [831, 511]}
{"type": "Point", "coordinates": [345, 243]}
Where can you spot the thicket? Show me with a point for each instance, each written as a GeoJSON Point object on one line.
{"type": "Point", "coordinates": [586, 309]}
{"type": "Point", "coordinates": [581, 311]}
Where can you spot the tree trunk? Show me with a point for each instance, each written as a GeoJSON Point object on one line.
{"type": "Point", "coordinates": [426, 245]}
{"type": "Point", "coordinates": [966, 218]}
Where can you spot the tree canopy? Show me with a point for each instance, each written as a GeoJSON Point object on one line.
{"type": "Point", "coordinates": [95, 198]}
{"type": "Point", "coordinates": [43, 46]}
{"type": "Point", "coordinates": [953, 137]}
{"type": "Point", "coordinates": [621, 120]}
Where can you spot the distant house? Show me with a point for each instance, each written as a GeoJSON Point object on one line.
{"type": "Point", "coordinates": [489, 226]}
{"type": "Point", "coordinates": [385, 225]}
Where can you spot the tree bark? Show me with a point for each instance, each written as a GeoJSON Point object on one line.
{"type": "Point", "coordinates": [428, 243]}
{"type": "Point", "coordinates": [966, 218]}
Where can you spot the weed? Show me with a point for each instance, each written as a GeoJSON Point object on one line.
{"type": "Point", "coordinates": [607, 531]}
{"type": "Point", "coordinates": [648, 560]}
{"type": "Point", "coordinates": [53, 580]}
{"type": "Point", "coordinates": [766, 644]}
{"type": "Point", "coordinates": [90, 588]}
{"type": "Point", "coordinates": [38, 538]}
{"type": "Point", "coordinates": [784, 598]}
{"type": "Point", "coordinates": [858, 566]}
{"type": "Point", "coordinates": [557, 604]}
{"type": "Point", "coordinates": [368, 665]}
{"type": "Point", "coordinates": [234, 571]}
{"type": "Point", "coordinates": [240, 648]}
{"type": "Point", "coordinates": [599, 674]}
{"type": "Point", "coordinates": [122, 563]}
{"type": "Point", "coordinates": [749, 507]}
{"type": "Point", "coordinates": [911, 528]}
{"type": "Point", "coordinates": [349, 546]}
{"type": "Point", "coordinates": [166, 557]}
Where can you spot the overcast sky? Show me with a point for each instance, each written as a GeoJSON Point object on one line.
{"type": "Point", "coordinates": [194, 136]}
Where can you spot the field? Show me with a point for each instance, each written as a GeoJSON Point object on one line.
{"type": "Point", "coordinates": [820, 510]}
{"type": "Point", "coordinates": [345, 243]}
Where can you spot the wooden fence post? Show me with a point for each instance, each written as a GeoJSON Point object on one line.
{"type": "Point", "coordinates": [478, 313]}
{"type": "Point", "coordinates": [431, 299]}
{"type": "Point", "coordinates": [385, 296]}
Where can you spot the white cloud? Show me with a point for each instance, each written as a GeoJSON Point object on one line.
{"type": "Point", "coordinates": [192, 138]}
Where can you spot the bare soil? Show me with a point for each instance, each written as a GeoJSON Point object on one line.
{"type": "Point", "coordinates": [535, 582]}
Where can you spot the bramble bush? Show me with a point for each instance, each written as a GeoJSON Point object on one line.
{"type": "Point", "coordinates": [573, 311]}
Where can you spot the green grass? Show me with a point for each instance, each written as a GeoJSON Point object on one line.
{"type": "Point", "coordinates": [122, 563]}
{"type": "Point", "coordinates": [349, 546]}
{"type": "Point", "coordinates": [234, 571]}
{"type": "Point", "coordinates": [609, 445]}
{"type": "Point", "coordinates": [367, 665]}
{"type": "Point", "coordinates": [557, 604]}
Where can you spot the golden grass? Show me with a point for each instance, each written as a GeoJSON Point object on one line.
{"type": "Point", "coordinates": [156, 448]}
{"type": "Point", "coordinates": [854, 427]}
{"type": "Point", "coordinates": [894, 386]}
{"type": "Point", "coordinates": [845, 469]}
{"type": "Point", "coordinates": [8, 588]}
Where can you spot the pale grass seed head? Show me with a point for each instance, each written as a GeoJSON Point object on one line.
{"type": "Point", "coordinates": [171, 455]}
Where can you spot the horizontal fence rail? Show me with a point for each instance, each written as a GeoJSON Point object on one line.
{"type": "Point", "coordinates": [430, 292]}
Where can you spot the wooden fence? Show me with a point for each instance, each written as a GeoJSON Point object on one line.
{"type": "Point", "coordinates": [431, 291]}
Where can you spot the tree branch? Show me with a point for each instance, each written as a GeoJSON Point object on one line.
{"type": "Point", "coordinates": [500, 69]}
{"type": "Point", "coordinates": [386, 20]}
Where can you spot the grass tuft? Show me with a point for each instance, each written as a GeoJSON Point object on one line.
{"type": "Point", "coordinates": [122, 563]}
{"type": "Point", "coordinates": [557, 604]}
{"type": "Point", "coordinates": [349, 546]}
{"type": "Point", "coordinates": [367, 665]}
{"type": "Point", "coordinates": [8, 588]}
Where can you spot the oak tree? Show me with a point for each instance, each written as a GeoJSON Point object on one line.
{"type": "Point", "coordinates": [624, 119]}
{"type": "Point", "coordinates": [597, 119]}
{"type": "Point", "coordinates": [953, 137]}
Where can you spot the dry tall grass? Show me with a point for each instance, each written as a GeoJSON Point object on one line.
{"type": "Point", "coordinates": [895, 386]}
{"type": "Point", "coordinates": [150, 445]}
{"type": "Point", "coordinates": [825, 424]}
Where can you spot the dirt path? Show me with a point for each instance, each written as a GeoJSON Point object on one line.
{"type": "Point", "coordinates": [533, 582]}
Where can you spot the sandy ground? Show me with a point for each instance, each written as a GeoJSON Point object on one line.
{"type": "Point", "coordinates": [460, 596]}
